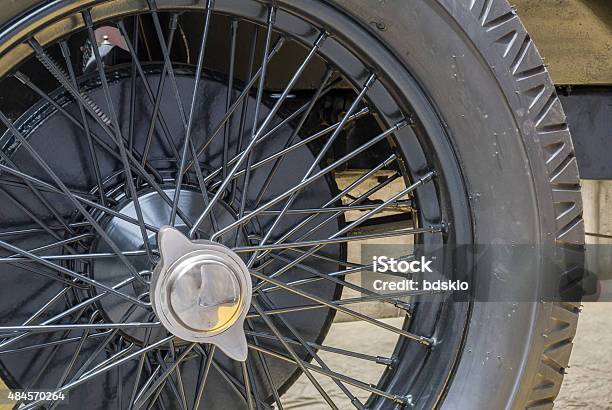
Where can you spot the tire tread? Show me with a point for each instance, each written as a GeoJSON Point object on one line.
{"type": "Point", "coordinates": [537, 92]}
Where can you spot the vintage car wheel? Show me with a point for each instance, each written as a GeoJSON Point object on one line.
{"type": "Point", "coordinates": [104, 106]}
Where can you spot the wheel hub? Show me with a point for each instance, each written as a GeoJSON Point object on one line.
{"type": "Point", "coordinates": [201, 292]}
{"type": "Point", "coordinates": [156, 212]}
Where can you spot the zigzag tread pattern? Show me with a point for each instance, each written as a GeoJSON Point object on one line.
{"type": "Point", "coordinates": [537, 92]}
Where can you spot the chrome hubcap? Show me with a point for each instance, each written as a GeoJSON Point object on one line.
{"type": "Point", "coordinates": [201, 292]}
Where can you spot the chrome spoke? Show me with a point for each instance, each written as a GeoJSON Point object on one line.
{"type": "Point", "coordinates": [205, 370]}
{"type": "Point", "coordinates": [46, 306]}
{"type": "Point", "coordinates": [119, 137]}
{"type": "Point", "coordinates": [234, 383]}
{"type": "Point", "coordinates": [310, 179]}
{"type": "Point", "coordinates": [76, 308]}
{"type": "Point", "coordinates": [34, 231]}
{"type": "Point", "coordinates": [54, 245]}
{"type": "Point", "coordinates": [194, 101]}
{"type": "Point", "coordinates": [230, 91]}
{"type": "Point", "coordinates": [141, 171]}
{"type": "Point", "coordinates": [108, 367]}
{"type": "Point", "coordinates": [187, 122]}
{"type": "Point", "coordinates": [356, 201]}
{"type": "Point", "coordinates": [266, 367]}
{"type": "Point", "coordinates": [38, 195]}
{"type": "Point", "coordinates": [67, 192]}
{"type": "Point", "coordinates": [70, 273]}
{"type": "Point", "coordinates": [421, 339]}
{"type": "Point", "coordinates": [343, 272]}
{"type": "Point", "coordinates": [333, 375]}
{"type": "Point", "coordinates": [400, 205]}
{"type": "Point", "coordinates": [139, 372]}
{"type": "Point", "coordinates": [343, 283]}
{"type": "Point", "coordinates": [261, 128]}
{"type": "Point", "coordinates": [322, 153]}
{"type": "Point", "coordinates": [133, 76]}
{"type": "Point", "coordinates": [354, 400]}
{"type": "Point", "coordinates": [247, 385]}
{"type": "Point", "coordinates": [81, 256]}
{"type": "Point", "coordinates": [288, 149]}
{"type": "Point", "coordinates": [248, 150]}
{"type": "Point", "coordinates": [32, 216]}
{"type": "Point", "coordinates": [46, 345]}
{"type": "Point", "coordinates": [341, 239]}
{"type": "Point", "coordinates": [343, 302]}
{"type": "Point", "coordinates": [245, 107]}
{"type": "Point", "coordinates": [307, 112]}
{"type": "Point", "coordinates": [97, 139]}
{"type": "Point", "coordinates": [143, 396]}
{"type": "Point", "coordinates": [241, 98]}
{"type": "Point", "coordinates": [55, 328]}
{"type": "Point", "coordinates": [357, 222]}
{"type": "Point", "coordinates": [155, 100]}
{"type": "Point", "coordinates": [340, 196]}
{"type": "Point", "coordinates": [294, 355]}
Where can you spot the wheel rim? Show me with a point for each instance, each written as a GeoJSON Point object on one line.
{"type": "Point", "coordinates": [126, 339]}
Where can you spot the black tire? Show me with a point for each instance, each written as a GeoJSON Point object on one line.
{"type": "Point", "coordinates": [476, 58]}
{"type": "Point", "coordinates": [480, 69]}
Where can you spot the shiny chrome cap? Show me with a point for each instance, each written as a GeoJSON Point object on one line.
{"type": "Point", "coordinates": [201, 292]}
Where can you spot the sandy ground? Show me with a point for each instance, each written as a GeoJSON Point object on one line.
{"type": "Point", "coordinates": [588, 383]}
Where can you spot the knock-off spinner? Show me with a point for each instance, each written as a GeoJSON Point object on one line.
{"type": "Point", "coordinates": [201, 292]}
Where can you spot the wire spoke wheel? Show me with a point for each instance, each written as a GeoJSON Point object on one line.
{"type": "Point", "coordinates": [275, 139]}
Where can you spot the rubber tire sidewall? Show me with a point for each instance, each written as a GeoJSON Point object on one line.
{"type": "Point", "coordinates": [461, 68]}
